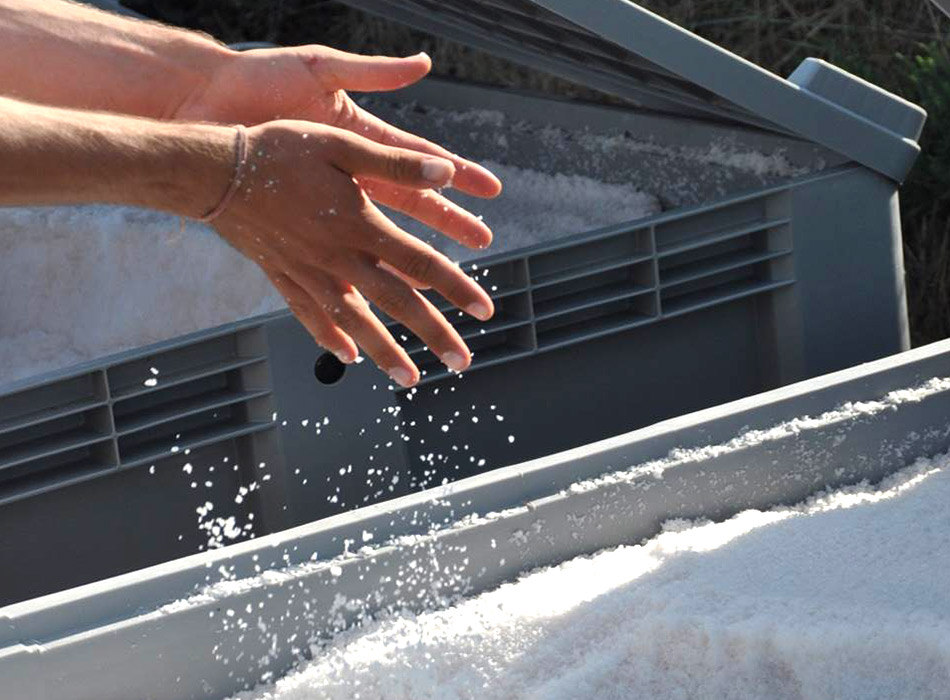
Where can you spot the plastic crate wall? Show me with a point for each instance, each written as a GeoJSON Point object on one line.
{"type": "Point", "coordinates": [596, 334]}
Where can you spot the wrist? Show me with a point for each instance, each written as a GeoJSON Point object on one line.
{"type": "Point", "coordinates": [193, 167]}
{"type": "Point", "coordinates": [197, 59]}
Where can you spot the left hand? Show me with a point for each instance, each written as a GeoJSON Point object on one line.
{"type": "Point", "coordinates": [310, 83]}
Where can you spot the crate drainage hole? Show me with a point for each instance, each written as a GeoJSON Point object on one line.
{"type": "Point", "coordinates": [328, 369]}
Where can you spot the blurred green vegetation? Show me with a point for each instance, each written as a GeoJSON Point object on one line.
{"type": "Point", "coordinates": [902, 45]}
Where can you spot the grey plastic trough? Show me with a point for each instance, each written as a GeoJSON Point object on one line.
{"type": "Point", "coordinates": [155, 634]}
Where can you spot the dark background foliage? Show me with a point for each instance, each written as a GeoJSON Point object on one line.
{"type": "Point", "coordinates": [902, 45]}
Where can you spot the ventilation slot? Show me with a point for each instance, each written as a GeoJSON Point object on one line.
{"type": "Point", "coordinates": [700, 271]}
{"type": "Point", "coordinates": [594, 322]}
{"type": "Point", "coordinates": [189, 397]}
{"type": "Point", "coordinates": [54, 435]}
{"type": "Point", "coordinates": [590, 258]}
{"type": "Point", "coordinates": [186, 396]}
{"type": "Point", "coordinates": [589, 292]}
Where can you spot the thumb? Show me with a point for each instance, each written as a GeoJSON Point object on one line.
{"type": "Point", "coordinates": [361, 157]}
{"type": "Point", "coordinates": [339, 70]}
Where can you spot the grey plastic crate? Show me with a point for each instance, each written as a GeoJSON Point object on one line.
{"type": "Point", "coordinates": [743, 284]}
{"type": "Point", "coordinates": [154, 634]}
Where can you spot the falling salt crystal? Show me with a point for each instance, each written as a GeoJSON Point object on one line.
{"type": "Point", "coordinates": [151, 469]}
{"type": "Point", "coordinates": [336, 570]}
{"type": "Point", "coordinates": [151, 382]}
{"type": "Point", "coordinates": [153, 370]}
{"type": "Point", "coordinates": [511, 438]}
{"type": "Point", "coordinates": [445, 428]}
{"type": "Point", "coordinates": [187, 468]}
{"type": "Point", "coordinates": [305, 422]}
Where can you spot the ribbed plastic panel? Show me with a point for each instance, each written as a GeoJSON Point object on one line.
{"type": "Point", "coordinates": [624, 277]}
{"type": "Point", "coordinates": [527, 32]}
{"type": "Point", "coordinates": [133, 413]}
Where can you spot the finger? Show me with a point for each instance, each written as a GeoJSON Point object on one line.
{"type": "Point", "coordinates": [470, 177]}
{"type": "Point", "coordinates": [340, 70]}
{"type": "Point", "coordinates": [401, 302]}
{"type": "Point", "coordinates": [314, 319]}
{"type": "Point", "coordinates": [359, 156]}
{"type": "Point", "coordinates": [415, 284]}
{"type": "Point", "coordinates": [347, 310]}
{"type": "Point", "coordinates": [434, 210]}
{"type": "Point", "coordinates": [383, 240]}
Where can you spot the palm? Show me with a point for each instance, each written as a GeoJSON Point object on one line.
{"type": "Point", "coordinates": [310, 83]}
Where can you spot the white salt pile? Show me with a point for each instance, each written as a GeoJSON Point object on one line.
{"type": "Point", "coordinates": [844, 596]}
{"type": "Point", "coordinates": [80, 282]}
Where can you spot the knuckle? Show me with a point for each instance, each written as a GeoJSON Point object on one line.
{"type": "Point", "coordinates": [399, 168]}
{"type": "Point", "coordinates": [342, 313]}
{"type": "Point", "coordinates": [420, 266]}
{"type": "Point", "coordinates": [392, 301]}
{"type": "Point", "coordinates": [323, 257]}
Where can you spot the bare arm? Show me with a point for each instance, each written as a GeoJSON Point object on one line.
{"type": "Point", "coordinates": [70, 55]}
{"type": "Point", "coordinates": [61, 156]}
{"type": "Point", "coordinates": [319, 238]}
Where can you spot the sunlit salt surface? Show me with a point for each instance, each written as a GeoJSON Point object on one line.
{"type": "Point", "coordinates": [842, 596]}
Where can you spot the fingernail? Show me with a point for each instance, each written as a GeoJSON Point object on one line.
{"type": "Point", "coordinates": [438, 172]}
{"type": "Point", "coordinates": [479, 311]}
{"type": "Point", "coordinates": [455, 361]}
{"type": "Point", "coordinates": [343, 356]}
{"type": "Point", "coordinates": [402, 376]}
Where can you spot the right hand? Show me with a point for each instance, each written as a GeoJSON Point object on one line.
{"type": "Point", "coordinates": [304, 215]}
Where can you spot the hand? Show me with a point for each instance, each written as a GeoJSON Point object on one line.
{"type": "Point", "coordinates": [303, 216]}
{"type": "Point", "coordinates": [310, 83]}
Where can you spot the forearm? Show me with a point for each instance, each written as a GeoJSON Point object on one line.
{"type": "Point", "coordinates": [61, 53]}
{"type": "Point", "coordinates": [60, 156]}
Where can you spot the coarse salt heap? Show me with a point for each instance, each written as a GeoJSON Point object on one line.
{"type": "Point", "coordinates": [843, 596]}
